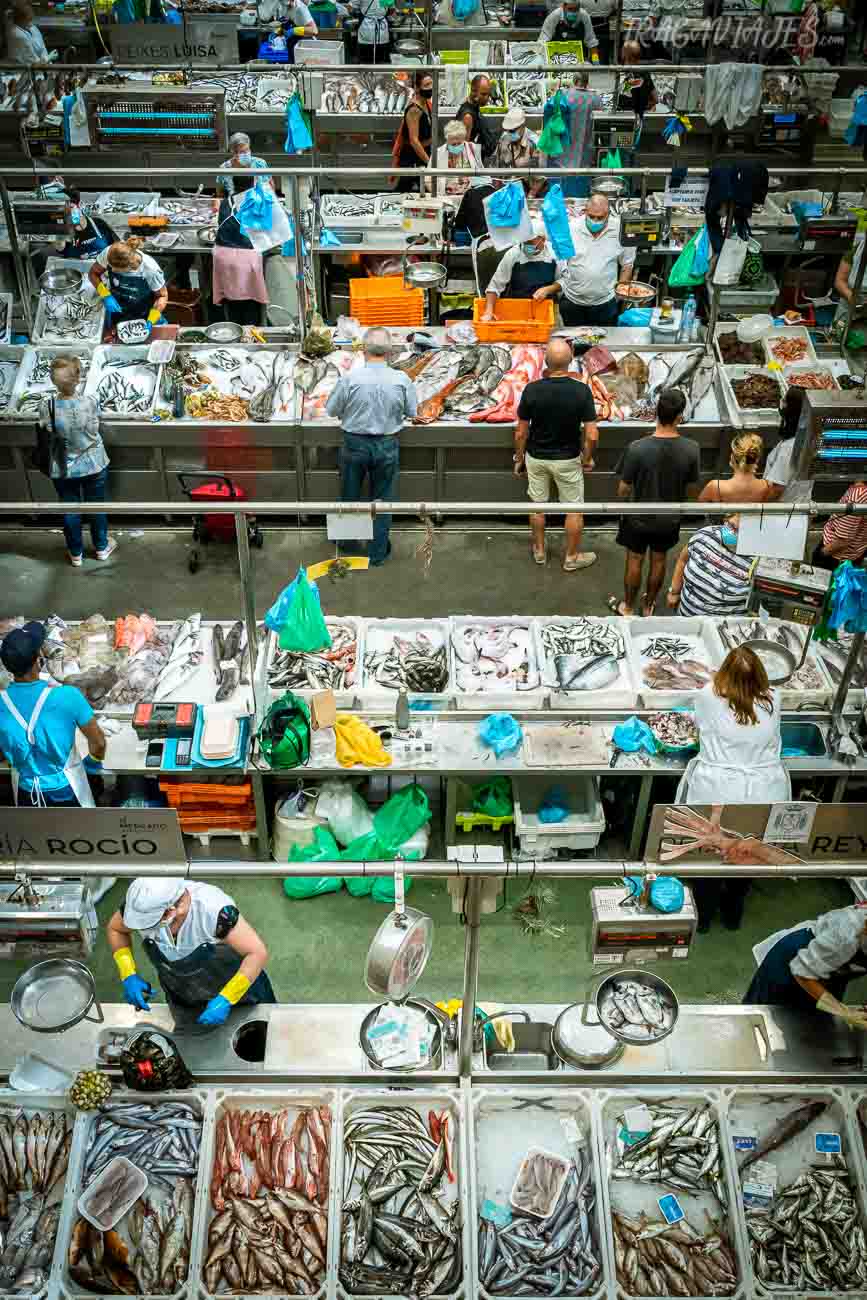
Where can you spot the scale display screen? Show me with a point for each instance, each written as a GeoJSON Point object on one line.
{"type": "Point", "coordinates": [623, 933]}
{"type": "Point", "coordinates": [641, 231]}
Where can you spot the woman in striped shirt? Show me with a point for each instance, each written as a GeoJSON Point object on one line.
{"type": "Point", "coordinates": [844, 537]}
{"type": "Point", "coordinates": [710, 577]}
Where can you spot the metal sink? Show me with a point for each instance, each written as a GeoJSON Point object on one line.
{"type": "Point", "coordinates": [533, 1051]}
{"type": "Point", "coordinates": [805, 737]}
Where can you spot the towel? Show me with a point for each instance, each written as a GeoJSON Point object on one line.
{"type": "Point", "coordinates": [733, 92]}
{"type": "Point", "coordinates": [238, 275]}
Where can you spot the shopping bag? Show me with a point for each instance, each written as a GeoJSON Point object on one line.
{"type": "Point", "coordinates": [401, 816]}
{"type": "Point", "coordinates": [298, 133]}
{"type": "Point", "coordinates": [254, 210]}
{"type": "Point", "coordinates": [556, 220]}
{"type": "Point", "coordinates": [731, 261]}
{"type": "Point", "coordinates": [611, 160]}
{"type": "Point", "coordinates": [682, 274]}
{"type": "Point", "coordinates": [504, 207]}
{"type": "Point", "coordinates": [552, 140]}
{"type": "Point", "coordinates": [279, 611]}
{"type": "Point", "coordinates": [504, 236]}
{"type": "Point", "coordinates": [304, 627]}
{"type": "Point", "coordinates": [754, 263]}
{"type": "Point", "coordinates": [702, 252]}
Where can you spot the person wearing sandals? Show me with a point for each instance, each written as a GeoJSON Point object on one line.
{"type": "Point", "coordinates": [550, 450]}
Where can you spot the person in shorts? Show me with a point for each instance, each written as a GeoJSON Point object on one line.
{"type": "Point", "coordinates": [550, 449]}
{"type": "Point", "coordinates": [662, 466]}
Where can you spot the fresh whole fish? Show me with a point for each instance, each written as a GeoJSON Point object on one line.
{"type": "Point", "coordinates": [183, 662]}
{"type": "Point", "coordinates": [577, 674]}
{"type": "Point", "coordinates": [656, 1258]}
{"type": "Point", "coordinates": [573, 646]}
{"type": "Point", "coordinates": [34, 1153]}
{"type": "Point", "coordinates": [641, 1012]}
{"type": "Point", "coordinates": [784, 1130]}
{"type": "Point", "coordinates": [494, 657]}
{"type": "Point", "coordinates": [411, 663]}
{"type": "Point", "coordinates": [681, 1152]}
{"type": "Point", "coordinates": [334, 669]}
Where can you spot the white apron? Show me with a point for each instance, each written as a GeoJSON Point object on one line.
{"type": "Point", "coordinates": [706, 782]}
{"type": "Point", "coordinates": [73, 768]}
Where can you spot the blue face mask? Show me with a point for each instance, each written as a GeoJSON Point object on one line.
{"type": "Point", "coordinates": [455, 148]}
{"type": "Point", "coordinates": [729, 536]}
{"type": "Point", "coordinates": [595, 227]}
{"type": "Point", "coordinates": [246, 157]}
{"type": "Point", "coordinates": [512, 136]}
{"type": "Point", "coordinates": [530, 250]}
{"type": "Point", "coordinates": [571, 16]}
{"type": "Point", "coordinates": [75, 216]}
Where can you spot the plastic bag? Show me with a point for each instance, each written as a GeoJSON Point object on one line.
{"type": "Point", "coordinates": [300, 887]}
{"type": "Point", "coordinates": [276, 616]}
{"type": "Point", "coordinates": [754, 263]}
{"type": "Point", "coordinates": [556, 220]}
{"type": "Point", "coordinates": [683, 274]}
{"type": "Point", "coordinates": [505, 206]}
{"type": "Point", "coordinates": [554, 806]}
{"type": "Point", "coordinates": [849, 598]}
{"type": "Point", "coordinates": [731, 261]}
{"type": "Point", "coordinates": [254, 210]}
{"type": "Point", "coordinates": [284, 736]}
{"type": "Point", "coordinates": [303, 626]}
{"type": "Point", "coordinates": [401, 816]}
{"type": "Point", "coordinates": [552, 138]}
{"type": "Point", "coordinates": [702, 253]}
{"type": "Point", "coordinates": [633, 735]}
{"type": "Point", "coordinates": [611, 160]}
{"type": "Point", "coordinates": [298, 134]}
{"type": "Point", "coordinates": [637, 317]}
{"type": "Point", "coordinates": [347, 814]}
{"type": "Point", "coordinates": [501, 733]}
{"type": "Point", "coordinates": [666, 894]}
{"type": "Point", "coordinates": [357, 743]}
{"type": "Point", "coordinates": [493, 798]}
{"type": "Point", "coordinates": [464, 9]}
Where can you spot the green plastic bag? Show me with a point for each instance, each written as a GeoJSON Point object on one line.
{"type": "Point", "coordinates": [494, 798]}
{"type": "Point", "coordinates": [611, 160]}
{"type": "Point", "coordinates": [681, 276]}
{"type": "Point", "coordinates": [304, 628]}
{"type": "Point", "coordinates": [299, 887]}
{"type": "Point", "coordinates": [550, 141]}
{"type": "Point", "coordinates": [400, 817]}
{"type": "Point", "coordinates": [284, 736]}
{"type": "Point", "coordinates": [323, 849]}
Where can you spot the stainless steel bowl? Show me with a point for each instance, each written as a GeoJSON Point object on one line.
{"type": "Point", "coordinates": [583, 1043]}
{"type": "Point", "coordinates": [61, 280]}
{"type": "Point", "coordinates": [399, 953]}
{"type": "Point", "coordinates": [225, 332]}
{"type": "Point", "coordinates": [627, 1033]}
{"type": "Point", "coordinates": [777, 660]}
{"type": "Point", "coordinates": [433, 1062]}
{"type": "Point", "coordinates": [207, 235]}
{"type": "Point", "coordinates": [55, 995]}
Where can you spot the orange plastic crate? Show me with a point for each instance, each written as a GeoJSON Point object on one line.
{"type": "Point", "coordinates": [519, 320]}
{"type": "Point", "coordinates": [383, 300]}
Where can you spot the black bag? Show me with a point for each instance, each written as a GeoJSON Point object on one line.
{"type": "Point", "coordinates": [151, 1062]}
{"type": "Point", "coordinates": [50, 446]}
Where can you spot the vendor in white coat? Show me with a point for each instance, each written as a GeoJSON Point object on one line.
{"type": "Point", "coordinates": [809, 967]}
{"type": "Point", "coordinates": [738, 720]}
{"type": "Point", "coordinates": [523, 270]}
{"type": "Point", "coordinates": [38, 728]}
{"type": "Point", "coordinates": [208, 958]}
{"type": "Point", "coordinates": [24, 41]}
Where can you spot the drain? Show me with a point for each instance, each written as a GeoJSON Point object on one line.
{"type": "Point", "coordinates": [249, 1042]}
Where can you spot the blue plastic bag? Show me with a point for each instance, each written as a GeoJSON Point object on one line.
{"type": "Point", "coordinates": [556, 220]}
{"type": "Point", "coordinates": [849, 599]}
{"type": "Point", "coordinates": [666, 894]}
{"type": "Point", "coordinates": [298, 134]}
{"type": "Point", "coordinates": [801, 210]}
{"type": "Point", "coordinates": [278, 613]}
{"type": "Point", "coordinates": [464, 9]}
{"type": "Point", "coordinates": [633, 735]}
{"type": "Point", "coordinates": [501, 733]}
{"type": "Point", "coordinates": [255, 210]}
{"type": "Point", "coordinates": [555, 805]}
{"type": "Point", "coordinates": [288, 246]}
{"type": "Point", "coordinates": [506, 205]}
{"type": "Point", "coordinates": [702, 253]}
{"type": "Point", "coordinates": [639, 317]}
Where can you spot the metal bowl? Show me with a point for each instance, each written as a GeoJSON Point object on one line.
{"type": "Point", "coordinates": [777, 660]}
{"type": "Point", "coordinates": [61, 280]}
{"type": "Point", "coordinates": [207, 235]}
{"type": "Point", "coordinates": [584, 1044]}
{"type": "Point", "coordinates": [409, 47]}
{"type": "Point", "coordinates": [225, 332]}
{"type": "Point", "coordinates": [55, 995]}
{"type": "Point", "coordinates": [425, 275]}
{"type": "Point", "coordinates": [611, 186]}
{"type": "Point", "coordinates": [629, 1033]}
{"type": "Point", "coordinates": [433, 1062]}
{"type": "Point", "coordinates": [647, 292]}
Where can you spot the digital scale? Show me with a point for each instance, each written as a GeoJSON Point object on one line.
{"type": "Point", "coordinates": [831, 441]}
{"type": "Point", "coordinates": [782, 128]}
{"type": "Point", "coordinates": [788, 590]}
{"type": "Point", "coordinates": [642, 229]}
{"type": "Point", "coordinates": [623, 933]}
{"type": "Point", "coordinates": [424, 216]}
{"type": "Point", "coordinates": [47, 918]}
{"type": "Point", "coordinates": [834, 233]}
{"type": "Point", "coordinates": [45, 217]}
{"type": "Point", "coordinates": [152, 721]}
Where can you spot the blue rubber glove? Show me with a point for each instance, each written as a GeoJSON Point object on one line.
{"type": "Point", "coordinates": [216, 1012]}
{"type": "Point", "coordinates": [92, 765]}
{"type": "Point", "coordinates": [112, 304]}
{"type": "Point", "coordinates": [137, 991]}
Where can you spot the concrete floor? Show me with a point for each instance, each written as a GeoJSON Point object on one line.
{"type": "Point", "coordinates": [483, 572]}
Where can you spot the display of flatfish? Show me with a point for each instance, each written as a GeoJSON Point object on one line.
{"type": "Point", "coordinates": [495, 657]}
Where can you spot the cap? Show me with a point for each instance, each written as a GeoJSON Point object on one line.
{"type": "Point", "coordinates": [21, 646]}
{"type": "Point", "coordinates": [514, 118]}
{"type": "Point", "coordinates": [146, 900]}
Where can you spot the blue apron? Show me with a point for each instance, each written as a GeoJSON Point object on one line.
{"type": "Point", "coordinates": [527, 277]}
{"type": "Point", "coordinates": [191, 982]}
{"type": "Point", "coordinates": [134, 294]}
{"type": "Point", "coordinates": [774, 984]}
{"type": "Point", "coordinates": [92, 246]}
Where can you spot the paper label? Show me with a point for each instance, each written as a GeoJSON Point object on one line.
{"type": "Point", "coordinates": [790, 823]}
{"type": "Point", "coordinates": [630, 1139]}
{"type": "Point", "coordinates": [638, 1119]}
{"type": "Point", "coordinates": [761, 1187]}
{"type": "Point", "coordinates": [607, 958]}
{"type": "Point", "coordinates": [680, 952]}
{"type": "Point", "coordinates": [671, 1209]}
{"type": "Point", "coordinates": [828, 1144]}
{"type": "Point", "coordinates": [745, 1140]}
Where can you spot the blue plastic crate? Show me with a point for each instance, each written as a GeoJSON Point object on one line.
{"type": "Point", "coordinates": [272, 56]}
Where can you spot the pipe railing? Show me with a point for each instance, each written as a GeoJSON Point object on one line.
{"type": "Point", "coordinates": [681, 509]}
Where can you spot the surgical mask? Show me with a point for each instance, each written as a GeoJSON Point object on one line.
{"type": "Point", "coordinates": [512, 136]}
{"type": "Point", "coordinates": [75, 216]}
{"type": "Point", "coordinates": [571, 16]}
{"type": "Point", "coordinates": [455, 149]}
{"type": "Point", "coordinates": [530, 250]}
{"type": "Point", "coordinates": [729, 535]}
{"type": "Point", "coordinates": [246, 157]}
{"type": "Point", "coordinates": [595, 227]}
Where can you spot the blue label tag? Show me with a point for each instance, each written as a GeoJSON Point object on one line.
{"type": "Point", "coordinates": [630, 1139]}
{"type": "Point", "coordinates": [500, 1215]}
{"type": "Point", "coordinates": [745, 1142]}
{"type": "Point", "coordinates": [784, 118]}
{"type": "Point", "coordinates": [670, 1207]}
{"type": "Point", "coordinates": [828, 1144]}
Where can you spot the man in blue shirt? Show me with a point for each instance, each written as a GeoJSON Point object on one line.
{"type": "Point", "coordinates": [38, 724]}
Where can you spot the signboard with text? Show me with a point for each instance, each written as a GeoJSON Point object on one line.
{"type": "Point", "coordinates": [102, 835]}
{"type": "Point", "coordinates": [195, 40]}
{"type": "Point", "coordinates": [752, 834]}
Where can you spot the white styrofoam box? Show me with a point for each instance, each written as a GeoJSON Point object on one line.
{"type": "Point", "coordinates": [621, 694]}
{"type": "Point", "coordinates": [379, 637]}
{"type": "Point", "coordinates": [700, 631]}
{"type": "Point", "coordinates": [583, 827]}
{"type": "Point", "coordinates": [279, 88]}
{"type": "Point", "coordinates": [40, 334]}
{"type": "Point", "coordinates": [835, 653]}
{"type": "Point", "coordinates": [421, 1100]}
{"type": "Point", "coordinates": [757, 1110]}
{"type": "Point", "coordinates": [505, 1123]}
{"type": "Point", "coordinates": [729, 328]}
{"type": "Point", "coordinates": [635, 1198]}
{"type": "Point", "coordinates": [806, 368]}
{"type": "Point", "coordinates": [798, 691]}
{"type": "Point", "coordinates": [11, 357]}
{"type": "Point", "coordinates": [737, 297]}
{"type": "Point", "coordinates": [17, 408]}
{"type": "Point", "coordinates": [788, 332]}
{"type": "Point", "coordinates": [144, 374]}
{"type": "Point", "coordinates": [749, 415]}
{"type": "Point", "coordinates": [345, 697]}
{"type": "Point", "coordinates": [535, 695]}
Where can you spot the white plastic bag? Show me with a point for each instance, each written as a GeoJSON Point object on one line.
{"type": "Point", "coordinates": [347, 814]}
{"type": "Point", "coordinates": [731, 261]}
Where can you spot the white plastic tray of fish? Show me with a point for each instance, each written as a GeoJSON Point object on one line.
{"type": "Point", "coordinates": [274, 93]}
{"type": "Point", "coordinates": [684, 1156]}
{"type": "Point", "coordinates": [364, 92]}
{"type": "Point", "coordinates": [505, 1125]}
{"type": "Point", "coordinates": [412, 653]}
{"type": "Point", "coordinates": [38, 1128]}
{"type": "Point", "coordinates": [672, 658]}
{"type": "Point", "coordinates": [494, 663]}
{"type": "Point", "coordinates": [33, 381]}
{"type": "Point", "coordinates": [270, 1162]}
{"type": "Point", "coordinates": [585, 660]}
{"type": "Point", "coordinates": [747, 416]}
{"type": "Point", "coordinates": [338, 669]}
{"type": "Point", "coordinates": [71, 317]}
{"type": "Point", "coordinates": [148, 1253]}
{"type": "Point", "coordinates": [123, 382]}
{"type": "Point", "coordinates": [10, 363]}
{"type": "Point", "coordinates": [408, 1222]}
{"type": "Point", "coordinates": [811, 684]}
{"type": "Point", "coordinates": [809, 1236]}
{"type": "Point", "coordinates": [834, 656]}
{"type": "Point", "coordinates": [244, 372]}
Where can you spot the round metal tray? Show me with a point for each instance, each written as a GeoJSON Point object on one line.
{"type": "Point", "coordinates": [654, 984]}
{"type": "Point", "coordinates": [647, 292]}
{"type": "Point", "coordinates": [777, 660]}
{"type": "Point", "coordinates": [54, 995]}
{"type": "Point", "coordinates": [225, 332]}
{"type": "Point", "coordinates": [61, 280]}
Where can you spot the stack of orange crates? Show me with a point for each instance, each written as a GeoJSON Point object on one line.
{"type": "Point", "coordinates": [383, 300]}
{"type": "Point", "coordinates": [211, 805]}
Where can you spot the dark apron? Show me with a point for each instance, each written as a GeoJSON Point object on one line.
{"type": "Point", "coordinates": [90, 247]}
{"type": "Point", "coordinates": [774, 984]}
{"type": "Point", "coordinates": [191, 982]}
{"type": "Point", "coordinates": [527, 277]}
{"type": "Point", "coordinates": [132, 293]}
{"type": "Point", "coordinates": [568, 31]}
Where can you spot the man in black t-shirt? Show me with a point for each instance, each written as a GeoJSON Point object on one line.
{"type": "Point", "coordinates": [549, 447]}
{"type": "Point", "coordinates": [661, 467]}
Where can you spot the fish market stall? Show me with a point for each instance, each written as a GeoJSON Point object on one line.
{"type": "Point", "coordinates": [672, 658]}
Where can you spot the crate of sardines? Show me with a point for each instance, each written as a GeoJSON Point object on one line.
{"type": "Point", "coordinates": [402, 1184]}
{"type": "Point", "coordinates": [265, 1225]}
{"type": "Point", "coordinates": [668, 1194]}
{"type": "Point", "coordinates": [536, 1211]}
{"type": "Point", "coordinates": [137, 1190]}
{"type": "Point", "coordinates": [335, 667]}
{"type": "Point", "coordinates": [35, 1148]}
{"type": "Point", "coordinates": [799, 1187]}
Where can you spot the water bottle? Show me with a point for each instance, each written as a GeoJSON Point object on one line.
{"type": "Point", "coordinates": [687, 320]}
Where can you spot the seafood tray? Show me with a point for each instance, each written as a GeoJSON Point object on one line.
{"type": "Point", "coordinates": [747, 416]}
{"type": "Point", "coordinates": [274, 93]}
{"type": "Point", "coordinates": [55, 314]}
{"type": "Point", "coordinates": [123, 382]}
{"type": "Point", "coordinates": [177, 1204]}
{"type": "Point", "coordinates": [754, 350]}
{"type": "Point", "coordinates": [365, 92]}
{"type": "Point", "coordinates": [344, 695]}
{"type": "Point", "coordinates": [506, 1124]}
{"type": "Point", "coordinates": [811, 684]}
{"type": "Point", "coordinates": [123, 202]}
{"type": "Point", "coordinates": [778, 337]}
{"type": "Point", "coordinates": [829, 1249]}
{"type": "Point", "coordinates": [692, 639]}
{"type": "Point", "coordinates": [791, 373]}
{"type": "Point", "coordinates": [444, 1204]}
{"type": "Point", "coordinates": [10, 363]}
{"type": "Point", "coordinates": [33, 381]}
{"type": "Point", "coordinates": [474, 691]}
{"type": "Point", "coordinates": [633, 1198]}
{"type": "Point", "coordinates": [355, 211]}
{"type": "Point", "coordinates": [834, 655]}
{"type": "Point", "coordinates": [620, 692]}
{"type": "Point", "coordinates": [389, 639]}
{"type": "Point", "coordinates": [12, 1105]}
{"type": "Point", "coordinates": [241, 372]}
{"type": "Point", "coordinates": [296, 1194]}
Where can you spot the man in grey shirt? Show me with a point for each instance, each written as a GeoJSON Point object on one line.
{"type": "Point", "coordinates": [372, 404]}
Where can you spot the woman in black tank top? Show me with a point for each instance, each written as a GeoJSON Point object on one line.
{"type": "Point", "coordinates": [416, 132]}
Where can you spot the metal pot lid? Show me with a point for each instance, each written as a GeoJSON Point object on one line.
{"type": "Point", "coordinates": [53, 995]}
{"type": "Point", "coordinates": [589, 1047]}
{"type": "Point", "coordinates": [399, 953]}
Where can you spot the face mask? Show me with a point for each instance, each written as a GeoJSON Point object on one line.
{"type": "Point", "coordinates": [530, 250]}
{"type": "Point", "coordinates": [596, 226]}
{"type": "Point", "coordinates": [246, 157]}
{"type": "Point", "coordinates": [75, 216]}
{"type": "Point", "coordinates": [729, 535]}
{"type": "Point", "coordinates": [512, 136]}
{"type": "Point", "coordinates": [571, 16]}
{"type": "Point", "coordinates": [427, 93]}
{"type": "Point", "coordinates": [455, 149]}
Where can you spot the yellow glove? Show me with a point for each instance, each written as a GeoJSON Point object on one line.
{"type": "Point", "coordinates": [125, 962]}
{"type": "Point", "coordinates": [299, 31]}
{"type": "Point", "coordinates": [356, 743]}
{"type": "Point", "coordinates": [235, 989]}
{"type": "Point", "coordinates": [154, 315]}
{"type": "Point", "coordinates": [104, 292]}
{"type": "Point", "coordinates": [501, 1027]}
{"type": "Point", "coordinates": [594, 57]}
